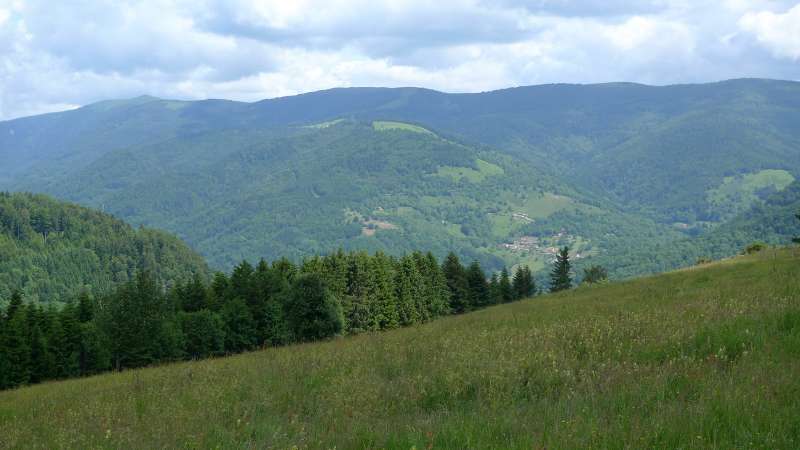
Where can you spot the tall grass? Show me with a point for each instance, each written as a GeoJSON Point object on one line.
{"type": "Point", "coordinates": [703, 358]}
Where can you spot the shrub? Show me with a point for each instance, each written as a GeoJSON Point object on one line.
{"type": "Point", "coordinates": [755, 247]}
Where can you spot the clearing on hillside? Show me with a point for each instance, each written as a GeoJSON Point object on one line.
{"type": "Point", "coordinates": [704, 358]}
{"type": "Point", "coordinates": [383, 125]}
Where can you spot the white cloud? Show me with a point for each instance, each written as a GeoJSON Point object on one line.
{"type": "Point", "coordinates": [54, 55]}
{"type": "Point", "coordinates": [779, 32]}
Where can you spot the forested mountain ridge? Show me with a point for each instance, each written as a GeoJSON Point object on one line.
{"type": "Point", "coordinates": [52, 251]}
{"type": "Point", "coordinates": [606, 168]}
{"type": "Point", "coordinates": [305, 190]}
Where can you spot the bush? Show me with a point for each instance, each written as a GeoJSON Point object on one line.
{"type": "Point", "coordinates": [595, 274]}
{"type": "Point", "coordinates": [755, 247]}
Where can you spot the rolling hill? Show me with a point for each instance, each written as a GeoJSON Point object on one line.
{"type": "Point", "coordinates": [52, 250]}
{"type": "Point", "coordinates": [503, 177]}
{"type": "Point", "coordinates": [699, 358]}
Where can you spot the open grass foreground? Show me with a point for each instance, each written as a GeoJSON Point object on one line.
{"type": "Point", "coordinates": [702, 358]}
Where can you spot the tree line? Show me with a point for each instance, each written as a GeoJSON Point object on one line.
{"type": "Point", "coordinates": [142, 322]}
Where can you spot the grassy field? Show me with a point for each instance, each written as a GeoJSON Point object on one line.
{"type": "Point", "coordinates": [702, 358]}
{"type": "Point", "coordinates": [737, 193]}
{"type": "Point", "coordinates": [485, 170]}
{"type": "Point", "coordinates": [386, 125]}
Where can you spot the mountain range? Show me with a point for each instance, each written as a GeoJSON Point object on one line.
{"type": "Point", "coordinates": [638, 178]}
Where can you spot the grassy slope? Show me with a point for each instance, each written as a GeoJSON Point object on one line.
{"type": "Point", "coordinates": [700, 358]}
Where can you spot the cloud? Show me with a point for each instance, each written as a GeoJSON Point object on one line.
{"type": "Point", "coordinates": [54, 55]}
{"type": "Point", "coordinates": [780, 33]}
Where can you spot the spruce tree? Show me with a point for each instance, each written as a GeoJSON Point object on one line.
{"type": "Point", "coordinates": [494, 290]}
{"type": "Point", "coordinates": [523, 285]}
{"type": "Point", "coordinates": [194, 295]}
{"type": "Point", "coordinates": [456, 277]}
{"type": "Point", "coordinates": [219, 291]}
{"type": "Point", "coordinates": [67, 343]}
{"type": "Point", "coordinates": [560, 278]}
{"type": "Point", "coordinates": [313, 312]}
{"type": "Point", "coordinates": [17, 370]}
{"type": "Point", "coordinates": [506, 290]}
{"type": "Point", "coordinates": [796, 239]}
{"type": "Point", "coordinates": [383, 292]}
{"type": "Point", "coordinates": [437, 294]}
{"type": "Point", "coordinates": [85, 308]}
{"type": "Point", "coordinates": [41, 360]}
{"type": "Point", "coordinates": [204, 334]}
{"type": "Point", "coordinates": [240, 328]}
{"type": "Point", "coordinates": [409, 291]}
{"type": "Point", "coordinates": [95, 355]}
{"type": "Point", "coordinates": [14, 305]}
{"type": "Point", "coordinates": [359, 315]}
{"type": "Point", "coordinates": [477, 286]}
{"type": "Point", "coordinates": [530, 283]}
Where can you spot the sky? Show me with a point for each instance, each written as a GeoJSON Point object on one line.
{"type": "Point", "coordinates": [57, 55]}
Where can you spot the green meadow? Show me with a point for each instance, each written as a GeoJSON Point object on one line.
{"type": "Point", "coordinates": [706, 357]}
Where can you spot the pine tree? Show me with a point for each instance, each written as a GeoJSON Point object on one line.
{"type": "Point", "coordinates": [560, 278]}
{"type": "Point", "coordinates": [456, 277]}
{"type": "Point", "coordinates": [478, 288]}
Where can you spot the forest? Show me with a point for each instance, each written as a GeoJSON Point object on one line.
{"type": "Point", "coordinates": [142, 322]}
{"type": "Point", "coordinates": [52, 250]}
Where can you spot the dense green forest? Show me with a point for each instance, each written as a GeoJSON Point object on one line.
{"type": "Point", "coordinates": [51, 250]}
{"type": "Point", "coordinates": [623, 172]}
{"type": "Point", "coordinates": [142, 323]}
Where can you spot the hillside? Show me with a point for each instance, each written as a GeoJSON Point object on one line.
{"type": "Point", "coordinates": [300, 191]}
{"type": "Point", "coordinates": [700, 358]}
{"type": "Point", "coordinates": [51, 250]}
{"type": "Point", "coordinates": [502, 176]}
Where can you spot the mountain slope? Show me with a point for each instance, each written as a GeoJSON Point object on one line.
{"type": "Point", "coordinates": [302, 190]}
{"type": "Point", "coordinates": [52, 250]}
{"type": "Point", "coordinates": [237, 180]}
{"type": "Point", "coordinates": [672, 361]}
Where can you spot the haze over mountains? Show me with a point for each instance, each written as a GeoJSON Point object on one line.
{"type": "Point", "coordinates": [639, 178]}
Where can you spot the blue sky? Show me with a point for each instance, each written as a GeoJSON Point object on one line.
{"type": "Point", "coordinates": [57, 55]}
